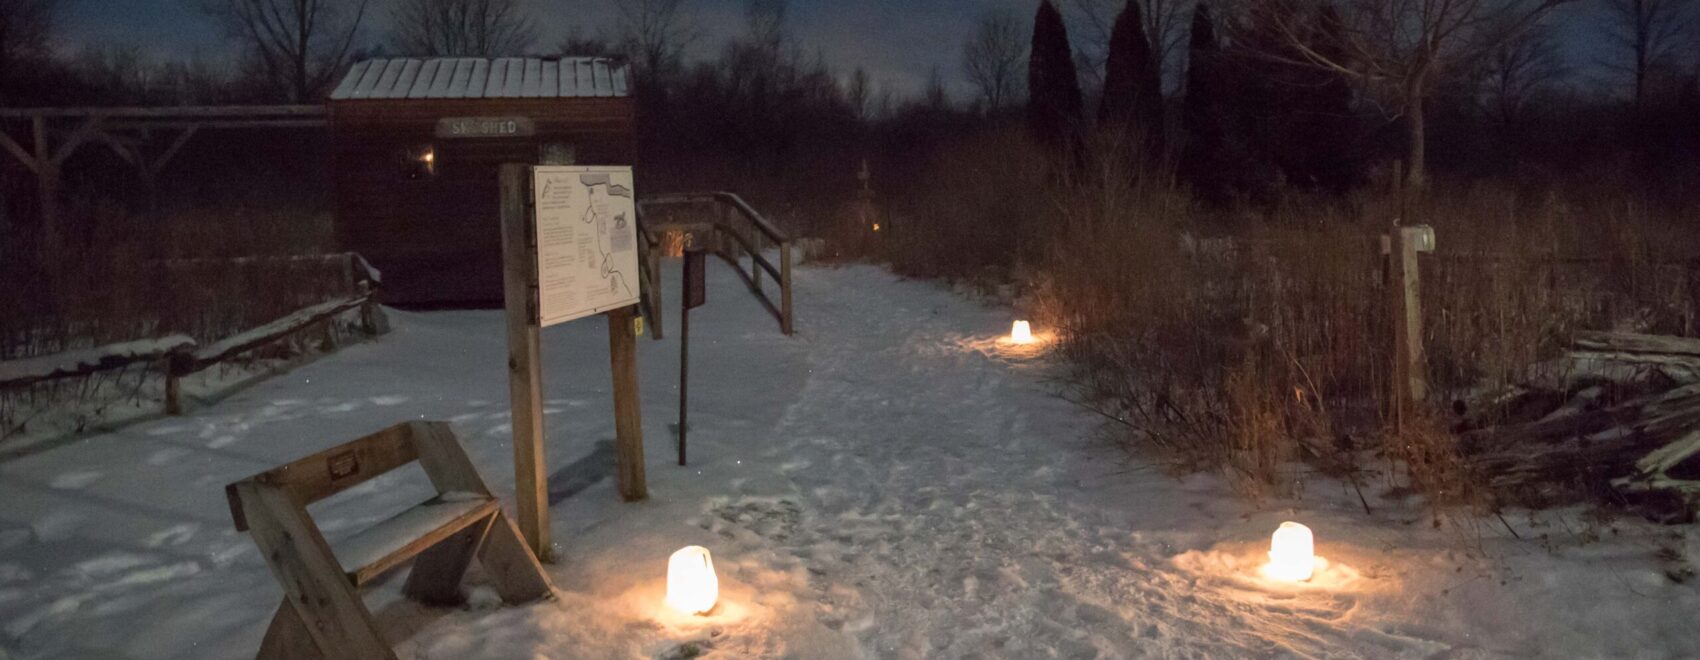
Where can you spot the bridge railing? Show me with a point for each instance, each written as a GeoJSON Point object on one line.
{"type": "Point", "coordinates": [751, 233]}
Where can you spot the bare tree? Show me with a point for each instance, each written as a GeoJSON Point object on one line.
{"type": "Point", "coordinates": [859, 94]}
{"type": "Point", "coordinates": [995, 58]}
{"type": "Point", "coordinates": [655, 34]}
{"type": "Point", "coordinates": [1647, 33]}
{"type": "Point", "coordinates": [766, 22]}
{"type": "Point", "coordinates": [301, 45]}
{"type": "Point", "coordinates": [577, 44]}
{"type": "Point", "coordinates": [480, 28]}
{"type": "Point", "coordinates": [1403, 49]}
{"type": "Point", "coordinates": [1165, 23]}
{"type": "Point", "coordinates": [1516, 70]}
{"type": "Point", "coordinates": [25, 26]}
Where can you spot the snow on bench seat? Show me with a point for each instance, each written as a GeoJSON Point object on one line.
{"type": "Point", "coordinates": [383, 546]}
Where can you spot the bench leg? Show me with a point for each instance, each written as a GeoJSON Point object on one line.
{"type": "Point", "coordinates": [517, 575]}
{"type": "Point", "coordinates": [287, 637]}
{"type": "Point", "coordinates": [313, 583]}
{"type": "Point", "coordinates": [437, 573]}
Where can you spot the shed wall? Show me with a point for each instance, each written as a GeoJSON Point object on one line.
{"type": "Point", "coordinates": [437, 239]}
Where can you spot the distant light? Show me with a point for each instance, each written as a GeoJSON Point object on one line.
{"type": "Point", "coordinates": [1021, 333]}
{"type": "Point", "coordinates": [692, 587]}
{"type": "Point", "coordinates": [876, 227]}
{"type": "Point", "coordinates": [1292, 553]}
{"type": "Point", "coordinates": [429, 157]}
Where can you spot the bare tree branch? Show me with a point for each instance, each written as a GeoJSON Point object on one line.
{"type": "Point", "coordinates": [303, 45]}
{"type": "Point", "coordinates": [480, 28]}
{"type": "Point", "coordinates": [995, 59]}
{"type": "Point", "coordinates": [655, 34]}
{"type": "Point", "coordinates": [1401, 49]}
{"type": "Point", "coordinates": [1647, 35]}
{"type": "Point", "coordinates": [25, 26]}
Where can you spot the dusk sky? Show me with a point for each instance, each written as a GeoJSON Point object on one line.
{"type": "Point", "coordinates": [899, 42]}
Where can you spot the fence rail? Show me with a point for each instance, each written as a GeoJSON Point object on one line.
{"type": "Point", "coordinates": [179, 356]}
{"type": "Point", "coordinates": [751, 235]}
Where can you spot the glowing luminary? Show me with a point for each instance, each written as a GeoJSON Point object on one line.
{"type": "Point", "coordinates": [1022, 333]}
{"type": "Point", "coordinates": [1292, 553]}
{"type": "Point", "coordinates": [692, 587]}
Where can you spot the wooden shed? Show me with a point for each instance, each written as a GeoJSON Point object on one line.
{"type": "Point", "coordinates": [418, 144]}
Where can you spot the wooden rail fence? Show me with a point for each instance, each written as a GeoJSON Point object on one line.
{"type": "Point", "coordinates": [178, 356]}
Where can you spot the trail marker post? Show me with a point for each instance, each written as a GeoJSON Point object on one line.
{"type": "Point", "coordinates": [1410, 377]}
{"type": "Point", "coordinates": [695, 293]}
{"type": "Point", "coordinates": [569, 250]}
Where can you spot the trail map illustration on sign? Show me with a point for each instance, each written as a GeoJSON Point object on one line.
{"type": "Point", "coordinates": [586, 241]}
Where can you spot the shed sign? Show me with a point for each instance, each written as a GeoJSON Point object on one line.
{"type": "Point", "coordinates": [485, 127]}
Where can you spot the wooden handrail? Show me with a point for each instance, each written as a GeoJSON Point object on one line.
{"type": "Point", "coordinates": [649, 276]}
{"type": "Point", "coordinates": [750, 242]}
{"type": "Point", "coordinates": [731, 199]}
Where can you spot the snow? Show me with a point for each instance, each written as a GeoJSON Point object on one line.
{"type": "Point", "coordinates": [895, 481]}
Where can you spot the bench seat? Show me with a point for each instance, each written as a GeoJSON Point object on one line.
{"type": "Point", "coordinates": [381, 547]}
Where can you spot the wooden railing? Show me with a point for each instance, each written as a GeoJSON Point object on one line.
{"type": "Point", "coordinates": [734, 218]}
{"type": "Point", "coordinates": [649, 276]}
{"type": "Point", "coordinates": [179, 356]}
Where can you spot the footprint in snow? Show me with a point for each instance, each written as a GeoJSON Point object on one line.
{"type": "Point", "coordinates": [76, 480]}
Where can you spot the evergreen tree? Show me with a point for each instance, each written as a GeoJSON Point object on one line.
{"type": "Point", "coordinates": [1054, 106]}
{"type": "Point", "coordinates": [1202, 164]}
{"type": "Point", "coordinates": [1133, 86]}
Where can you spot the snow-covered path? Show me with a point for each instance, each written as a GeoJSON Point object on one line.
{"type": "Point", "coordinates": [893, 482]}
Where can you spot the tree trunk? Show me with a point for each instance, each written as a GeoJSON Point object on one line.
{"type": "Point", "coordinates": [1416, 139]}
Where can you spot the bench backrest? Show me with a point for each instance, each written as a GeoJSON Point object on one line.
{"type": "Point", "coordinates": [339, 468]}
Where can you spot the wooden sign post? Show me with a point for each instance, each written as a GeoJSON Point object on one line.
{"type": "Point", "coordinates": [525, 372]}
{"type": "Point", "coordinates": [549, 215]}
{"type": "Point", "coordinates": [695, 294]}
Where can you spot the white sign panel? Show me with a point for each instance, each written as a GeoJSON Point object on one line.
{"type": "Point", "coordinates": [586, 241]}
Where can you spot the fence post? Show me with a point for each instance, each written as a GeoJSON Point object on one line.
{"type": "Point", "coordinates": [173, 387]}
{"type": "Point", "coordinates": [655, 302]}
{"type": "Point", "coordinates": [1410, 378]}
{"type": "Point", "coordinates": [786, 324]}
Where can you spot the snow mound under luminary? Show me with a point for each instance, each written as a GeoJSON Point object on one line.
{"type": "Point", "coordinates": [692, 587]}
{"type": "Point", "coordinates": [1021, 333]}
{"type": "Point", "coordinates": [1292, 553]}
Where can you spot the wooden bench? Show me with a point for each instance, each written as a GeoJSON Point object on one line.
{"type": "Point", "coordinates": [322, 615]}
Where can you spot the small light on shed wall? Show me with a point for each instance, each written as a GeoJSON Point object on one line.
{"type": "Point", "coordinates": [692, 587]}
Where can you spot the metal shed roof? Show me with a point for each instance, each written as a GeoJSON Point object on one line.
{"type": "Point", "coordinates": [481, 78]}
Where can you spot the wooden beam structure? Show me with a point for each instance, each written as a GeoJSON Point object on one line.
{"type": "Point", "coordinates": [57, 133]}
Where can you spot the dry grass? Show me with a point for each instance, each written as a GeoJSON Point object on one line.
{"type": "Point", "coordinates": [1258, 345]}
{"type": "Point", "coordinates": [137, 277]}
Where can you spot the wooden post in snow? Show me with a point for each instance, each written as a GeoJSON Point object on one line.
{"type": "Point", "coordinates": [525, 374]}
{"type": "Point", "coordinates": [786, 322]}
{"type": "Point", "coordinates": [1410, 377]}
{"type": "Point", "coordinates": [47, 183]}
{"type": "Point", "coordinates": [628, 418]}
